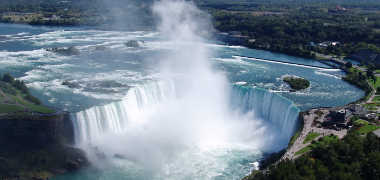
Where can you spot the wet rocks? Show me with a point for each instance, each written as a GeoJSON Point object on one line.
{"type": "Point", "coordinates": [132, 44]}
{"type": "Point", "coordinates": [69, 84]}
{"type": "Point", "coordinates": [65, 51]}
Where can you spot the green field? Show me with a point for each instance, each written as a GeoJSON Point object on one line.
{"type": "Point", "coordinates": [10, 108]}
{"type": "Point", "coordinates": [294, 138]}
{"type": "Point", "coordinates": [376, 99]}
{"type": "Point", "coordinates": [31, 106]}
{"type": "Point", "coordinates": [324, 141]}
{"type": "Point", "coordinates": [376, 83]}
{"type": "Point", "coordinates": [367, 129]}
{"type": "Point", "coordinates": [361, 122]}
{"type": "Point", "coordinates": [303, 150]}
{"type": "Point", "coordinates": [15, 97]}
{"type": "Point", "coordinates": [311, 136]}
{"type": "Point", "coordinates": [372, 106]}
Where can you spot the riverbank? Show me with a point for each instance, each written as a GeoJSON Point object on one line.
{"type": "Point", "coordinates": [313, 120]}
{"type": "Point", "coordinates": [322, 126]}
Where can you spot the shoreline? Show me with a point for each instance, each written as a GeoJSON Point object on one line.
{"type": "Point", "coordinates": [289, 153]}
{"type": "Point", "coordinates": [256, 58]}
{"type": "Point", "coordinates": [307, 119]}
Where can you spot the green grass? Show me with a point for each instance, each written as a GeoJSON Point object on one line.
{"type": "Point", "coordinates": [294, 138]}
{"type": "Point", "coordinates": [41, 109]}
{"type": "Point", "coordinates": [310, 137]}
{"type": "Point", "coordinates": [367, 129]}
{"type": "Point", "coordinates": [371, 106]}
{"type": "Point", "coordinates": [353, 70]}
{"type": "Point", "coordinates": [303, 150]}
{"type": "Point", "coordinates": [361, 122]}
{"type": "Point", "coordinates": [376, 99]}
{"type": "Point", "coordinates": [324, 141]}
{"type": "Point", "coordinates": [375, 84]}
{"type": "Point", "coordinates": [10, 108]}
{"type": "Point", "coordinates": [20, 103]}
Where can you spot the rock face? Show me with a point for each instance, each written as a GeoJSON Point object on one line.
{"type": "Point", "coordinates": [69, 84]}
{"type": "Point", "coordinates": [37, 146]}
{"type": "Point", "coordinates": [132, 43]}
{"type": "Point", "coordinates": [35, 130]}
{"type": "Point", "coordinates": [70, 51]}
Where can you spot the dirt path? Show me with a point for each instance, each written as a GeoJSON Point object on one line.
{"type": "Point", "coordinates": [372, 96]}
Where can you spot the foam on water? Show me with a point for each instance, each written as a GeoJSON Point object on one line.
{"type": "Point", "coordinates": [140, 118]}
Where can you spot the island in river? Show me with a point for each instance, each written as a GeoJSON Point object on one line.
{"type": "Point", "coordinates": [297, 83]}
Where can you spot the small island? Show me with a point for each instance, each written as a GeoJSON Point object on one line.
{"type": "Point", "coordinates": [296, 83]}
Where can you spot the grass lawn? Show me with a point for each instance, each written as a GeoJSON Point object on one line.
{"type": "Point", "coordinates": [33, 107]}
{"type": "Point", "coordinates": [361, 122]}
{"type": "Point", "coordinates": [324, 141]}
{"type": "Point", "coordinates": [371, 106]}
{"type": "Point", "coordinates": [9, 108]}
{"type": "Point", "coordinates": [375, 84]}
{"type": "Point", "coordinates": [294, 138]}
{"type": "Point", "coordinates": [310, 137]}
{"type": "Point", "coordinates": [41, 109]}
{"type": "Point", "coordinates": [376, 99]}
{"type": "Point", "coordinates": [353, 70]}
{"type": "Point", "coordinates": [367, 129]}
{"type": "Point", "coordinates": [19, 99]}
{"type": "Point", "coordinates": [303, 150]}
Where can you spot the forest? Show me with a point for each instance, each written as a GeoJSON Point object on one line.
{"type": "Point", "coordinates": [305, 30]}
{"type": "Point", "coordinates": [354, 158]}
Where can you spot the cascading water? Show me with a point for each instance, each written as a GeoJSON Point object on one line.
{"type": "Point", "coordinates": [279, 112]}
{"type": "Point", "coordinates": [190, 124]}
{"type": "Point", "coordinates": [116, 117]}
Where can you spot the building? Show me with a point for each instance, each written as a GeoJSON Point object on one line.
{"type": "Point", "coordinates": [337, 119]}
{"type": "Point", "coordinates": [358, 109]}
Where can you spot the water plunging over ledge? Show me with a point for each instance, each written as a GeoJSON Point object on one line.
{"type": "Point", "coordinates": [138, 129]}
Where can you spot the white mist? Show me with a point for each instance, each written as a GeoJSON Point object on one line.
{"type": "Point", "coordinates": [182, 126]}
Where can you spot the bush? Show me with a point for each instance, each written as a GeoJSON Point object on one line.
{"type": "Point", "coordinates": [355, 157]}
{"type": "Point", "coordinates": [32, 99]}
{"type": "Point", "coordinates": [7, 78]}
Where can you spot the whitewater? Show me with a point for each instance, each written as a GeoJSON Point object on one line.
{"type": "Point", "coordinates": [181, 106]}
{"type": "Point", "coordinates": [192, 109]}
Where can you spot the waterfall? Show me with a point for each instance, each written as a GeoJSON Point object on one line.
{"type": "Point", "coordinates": [278, 112]}
{"type": "Point", "coordinates": [271, 107]}
{"type": "Point", "coordinates": [90, 124]}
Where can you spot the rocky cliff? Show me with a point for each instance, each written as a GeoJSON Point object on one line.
{"type": "Point", "coordinates": [37, 146]}
{"type": "Point", "coordinates": [35, 129]}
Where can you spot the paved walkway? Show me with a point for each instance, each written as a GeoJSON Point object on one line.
{"type": "Point", "coordinates": [309, 126]}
